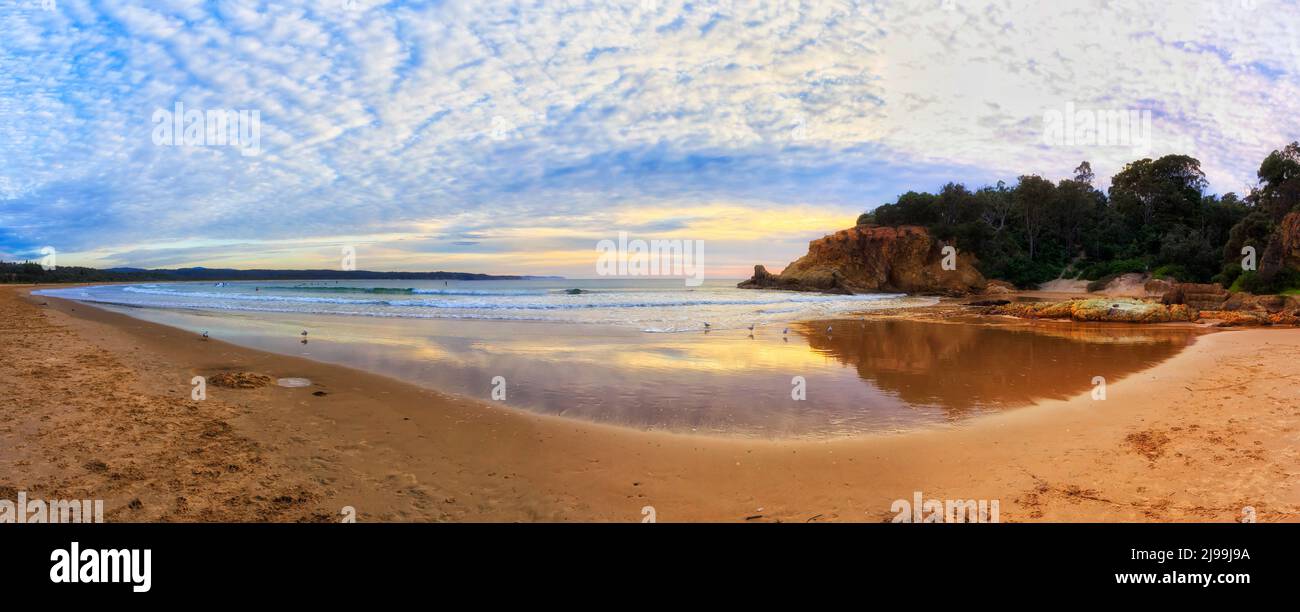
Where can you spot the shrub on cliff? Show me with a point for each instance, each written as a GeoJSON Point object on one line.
{"type": "Point", "coordinates": [1284, 281]}
{"type": "Point", "coordinates": [1173, 272]}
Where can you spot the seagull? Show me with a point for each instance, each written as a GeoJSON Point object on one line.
{"type": "Point", "coordinates": [205, 334]}
{"type": "Point", "coordinates": [706, 325]}
{"type": "Point", "coordinates": [751, 327]}
{"type": "Point", "coordinates": [785, 331]}
{"type": "Point", "coordinates": [304, 333]}
{"type": "Point", "coordinates": [828, 329]}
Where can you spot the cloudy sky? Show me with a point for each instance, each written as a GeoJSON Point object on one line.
{"type": "Point", "coordinates": [510, 137]}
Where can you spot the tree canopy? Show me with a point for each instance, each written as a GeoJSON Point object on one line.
{"type": "Point", "coordinates": [1156, 217]}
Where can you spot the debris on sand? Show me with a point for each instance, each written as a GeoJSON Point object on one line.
{"type": "Point", "coordinates": [1149, 444]}
{"type": "Point", "coordinates": [240, 380]}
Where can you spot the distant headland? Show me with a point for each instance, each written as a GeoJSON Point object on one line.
{"type": "Point", "coordinates": [31, 272]}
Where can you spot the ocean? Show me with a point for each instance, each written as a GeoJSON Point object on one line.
{"type": "Point", "coordinates": [652, 305]}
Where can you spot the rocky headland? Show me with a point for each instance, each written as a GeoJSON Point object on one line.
{"type": "Point", "coordinates": [908, 259]}
{"type": "Point", "coordinates": [872, 258]}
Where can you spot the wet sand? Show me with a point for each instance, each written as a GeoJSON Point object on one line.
{"type": "Point", "coordinates": [96, 404]}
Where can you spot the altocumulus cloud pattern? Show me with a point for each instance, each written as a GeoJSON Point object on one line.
{"type": "Point", "coordinates": [472, 132]}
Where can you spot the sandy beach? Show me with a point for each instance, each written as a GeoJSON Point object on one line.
{"type": "Point", "coordinates": [95, 404]}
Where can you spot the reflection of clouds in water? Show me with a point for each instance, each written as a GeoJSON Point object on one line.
{"type": "Point", "coordinates": [869, 376]}
{"type": "Point", "coordinates": [971, 367]}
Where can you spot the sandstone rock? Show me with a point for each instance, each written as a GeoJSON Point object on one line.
{"type": "Point", "coordinates": [761, 275]}
{"type": "Point", "coordinates": [999, 287]}
{"type": "Point", "coordinates": [1099, 310]}
{"type": "Point", "coordinates": [1197, 296]}
{"type": "Point", "coordinates": [763, 279]}
{"type": "Point", "coordinates": [1289, 232]}
{"type": "Point", "coordinates": [1232, 318]}
{"type": "Point", "coordinates": [1284, 318]}
{"type": "Point", "coordinates": [1272, 304]}
{"type": "Point", "coordinates": [1158, 286]}
{"type": "Point", "coordinates": [871, 258]}
{"type": "Point", "coordinates": [1247, 302]}
{"type": "Point", "coordinates": [1255, 311]}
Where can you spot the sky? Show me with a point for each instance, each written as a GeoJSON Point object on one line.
{"type": "Point", "coordinates": [512, 137]}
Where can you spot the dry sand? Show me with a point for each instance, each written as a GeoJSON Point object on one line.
{"type": "Point", "coordinates": [94, 404]}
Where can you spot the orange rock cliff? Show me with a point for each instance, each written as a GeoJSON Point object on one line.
{"type": "Point", "coordinates": [872, 258]}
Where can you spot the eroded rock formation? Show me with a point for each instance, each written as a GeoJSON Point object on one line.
{"type": "Point", "coordinates": [1198, 296]}
{"type": "Point", "coordinates": [1099, 310]}
{"type": "Point", "coordinates": [871, 258]}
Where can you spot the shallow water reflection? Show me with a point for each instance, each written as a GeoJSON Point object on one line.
{"type": "Point", "coordinates": [863, 376]}
{"type": "Point", "coordinates": [962, 368]}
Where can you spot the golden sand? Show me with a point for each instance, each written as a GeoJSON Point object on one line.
{"type": "Point", "coordinates": [94, 404]}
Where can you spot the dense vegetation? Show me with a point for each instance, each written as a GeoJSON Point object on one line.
{"type": "Point", "coordinates": [1156, 218]}
{"type": "Point", "coordinates": [31, 272]}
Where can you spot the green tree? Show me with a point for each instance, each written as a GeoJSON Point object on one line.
{"type": "Point", "coordinates": [1034, 196]}
{"type": "Point", "coordinates": [1279, 178]}
{"type": "Point", "coordinates": [1078, 203]}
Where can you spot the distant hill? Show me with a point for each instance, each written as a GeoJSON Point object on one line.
{"type": "Point", "coordinates": [30, 272]}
